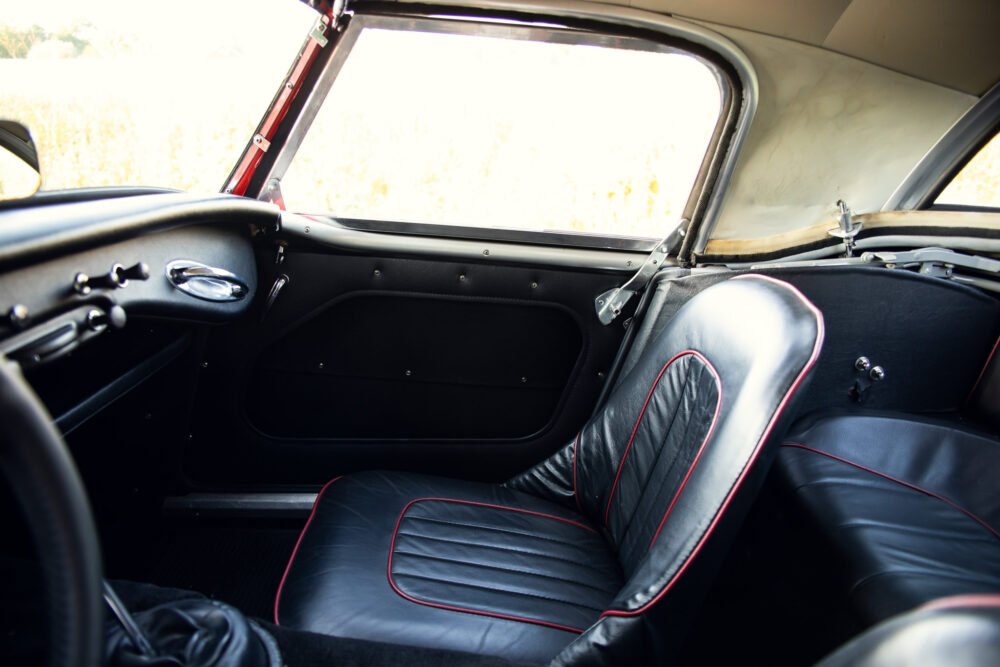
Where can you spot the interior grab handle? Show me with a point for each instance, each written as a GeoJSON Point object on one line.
{"type": "Point", "coordinates": [205, 282]}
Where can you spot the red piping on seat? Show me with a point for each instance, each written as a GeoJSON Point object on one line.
{"type": "Point", "coordinates": [701, 450]}
{"type": "Point", "coordinates": [288, 568]}
{"type": "Point", "coordinates": [642, 413]}
{"type": "Point", "coordinates": [982, 373]}
{"type": "Point", "coordinates": [576, 496]}
{"type": "Point", "coordinates": [817, 346]}
{"type": "Point", "coordinates": [436, 605]}
{"type": "Point", "coordinates": [908, 485]}
{"type": "Point", "coordinates": [962, 601]}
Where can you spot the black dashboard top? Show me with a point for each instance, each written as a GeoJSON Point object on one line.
{"type": "Point", "coordinates": [30, 233]}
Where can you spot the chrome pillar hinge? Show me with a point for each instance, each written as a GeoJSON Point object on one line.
{"type": "Point", "coordinates": [609, 305]}
{"type": "Point", "coordinates": [272, 193]}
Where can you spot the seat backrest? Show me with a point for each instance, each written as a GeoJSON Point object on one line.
{"type": "Point", "coordinates": [679, 446]}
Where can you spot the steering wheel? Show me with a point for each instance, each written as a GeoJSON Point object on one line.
{"type": "Point", "coordinates": [44, 480]}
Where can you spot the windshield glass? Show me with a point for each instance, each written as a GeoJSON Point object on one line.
{"type": "Point", "coordinates": [134, 93]}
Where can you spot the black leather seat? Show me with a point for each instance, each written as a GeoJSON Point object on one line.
{"type": "Point", "coordinates": [911, 505]}
{"type": "Point", "coordinates": [961, 631]}
{"type": "Point", "coordinates": [594, 555]}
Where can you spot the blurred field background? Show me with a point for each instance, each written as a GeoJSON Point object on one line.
{"type": "Point", "coordinates": [978, 184]}
{"type": "Point", "coordinates": [496, 132]}
{"type": "Point", "coordinates": [418, 127]}
{"type": "Point", "coordinates": [127, 93]}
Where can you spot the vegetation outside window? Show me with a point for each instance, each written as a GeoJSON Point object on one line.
{"type": "Point", "coordinates": [472, 129]}
{"type": "Point", "coordinates": [978, 184]}
{"type": "Point", "coordinates": [121, 93]}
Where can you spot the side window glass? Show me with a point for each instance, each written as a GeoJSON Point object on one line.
{"type": "Point", "coordinates": [978, 184]}
{"type": "Point", "coordinates": [483, 126]}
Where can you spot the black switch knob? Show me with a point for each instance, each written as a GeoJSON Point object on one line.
{"type": "Point", "coordinates": [99, 320]}
{"type": "Point", "coordinates": [117, 277]}
{"type": "Point", "coordinates": [138, 271]}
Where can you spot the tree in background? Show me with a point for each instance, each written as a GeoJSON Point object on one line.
{"type": "Point", "coordinates": [18, 42]}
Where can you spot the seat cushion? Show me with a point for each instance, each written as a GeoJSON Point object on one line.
{"type": "Point", "coordinates": [912, 505]}
{"type": "Point", "coordinates": [427, 561]}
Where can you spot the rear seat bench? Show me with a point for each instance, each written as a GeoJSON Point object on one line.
{"type": "Point", "coordinates": [912, 505]}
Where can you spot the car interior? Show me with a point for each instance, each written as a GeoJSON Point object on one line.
{"type": "Point", "coordinates": [238, 433]}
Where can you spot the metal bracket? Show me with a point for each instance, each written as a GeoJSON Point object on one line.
{"type": "Point", "coordinates": [938, 262]}
{"type": "Point", "coordinates": [260, 142]}
{"type": "Point", "coordinates": [847, 229]}
{"type": "Point", "coordinates": [609, 305]}
{"type": "Point", "coordinates": [318, 32]}
{"type": "Point", "coordinates": [272, 193]}
{"type": "Point", "coordinates": [280, 283]}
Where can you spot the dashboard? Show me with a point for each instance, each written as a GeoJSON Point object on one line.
{"type": "Point", "coordinates": [110, 287]}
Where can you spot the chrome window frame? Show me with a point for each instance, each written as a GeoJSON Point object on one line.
{"type": "Point", "coordinates": [720, 155]}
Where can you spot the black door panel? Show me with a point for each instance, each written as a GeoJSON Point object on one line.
{"type": "Point", "coordinates": [397, 365]}
{"type": "Point", "coordinates": [505, 364]}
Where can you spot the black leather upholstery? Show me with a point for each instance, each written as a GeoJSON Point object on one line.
{"type": "Point", "coordinates": [954, 632]}
{"type": "Point", "coordinates": [518, 582]}
{"type": "Point", "coordinates": [984, 399]}
{"type": "Point", "coordinates": [574, 558]}
{"type": "Point", "coordinates": [911, 504]}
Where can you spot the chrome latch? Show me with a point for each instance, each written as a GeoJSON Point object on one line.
{"type": "Point", "coordinates": [205, 282]}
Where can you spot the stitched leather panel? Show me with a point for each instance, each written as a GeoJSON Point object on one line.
{"type": "Point", "coordinates": [669, 434]}
{"type": "Point", "coordinates": [906, 504]}
{"type": "Point", "coordinates": [338, 581]}
{"type": "Point", "coordinates": [500, 560]}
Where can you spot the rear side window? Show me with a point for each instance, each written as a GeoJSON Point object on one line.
{"type": "Point", "coordinates": [505, 127]}
{"type": "Point", "coordinates": [978, 184]}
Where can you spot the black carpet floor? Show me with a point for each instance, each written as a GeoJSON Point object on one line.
{"type": "Point", "coordinates": [239, 562]}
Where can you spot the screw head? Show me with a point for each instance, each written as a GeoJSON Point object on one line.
{"type": "Point", "coordinates": [877, 373]}
{"type": "Point", "coordinates": [377, 273]}
{"type": "Point", "coordinates": [534, 285]}
{"type": "Point", "coordinates": [407, 373]}
{"type": "Point", "coordinates": [486, 251]}
{"type": "Point", "coordinates": [863, 363]}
